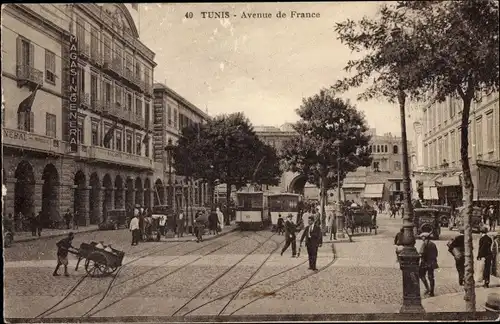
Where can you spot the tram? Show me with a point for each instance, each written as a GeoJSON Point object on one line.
{"type": "Point", "coordinates": [252, 212]}
{"type": "Point", "coordinates": [284, 204]}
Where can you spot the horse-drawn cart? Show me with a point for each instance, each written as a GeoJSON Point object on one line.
{"type": "Point", "coordinates": [99, 262]}
{"type": "Point", "coordinates": [361, 219]}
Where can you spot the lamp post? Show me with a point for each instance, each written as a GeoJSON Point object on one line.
{"type": "Point", "coordinates": [408, 257]}
{"type": "Point", "coordinates": [169, 148]}
{"type": "Point", "coordinates": [340, 216]}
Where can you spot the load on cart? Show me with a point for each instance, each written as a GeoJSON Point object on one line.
{"type": "Point", "coordinates": [100, 260]}
{"type": "Point", "coordinates": [152, 228]}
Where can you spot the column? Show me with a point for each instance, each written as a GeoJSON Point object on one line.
{"type": "Point", "coordinates": [37, 197]}
{"type": "Point", "coordinates": [99, 198]}
{"type": "Point", "coordinates": [10, 183]}
{"type": "Point", "coordinates": [108, 203]}
{"type": "Point", "coordinates": [82, 196]}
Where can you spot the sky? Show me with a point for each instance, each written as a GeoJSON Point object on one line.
{"type": "Point", "coordinates": [262, 67]}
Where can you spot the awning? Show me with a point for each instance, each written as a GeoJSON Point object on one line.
{"type": "Point", "coordinates": [488, 184]}
{"type": "Point", "coordinates": [429, 183]}
{"type": "Point", "coordinates": [449, 181]}
{"type": "Point", "coordinates": [431, 193]}
{"type": "Point", "coordinates": [374, 190]}
{"type": "Point", "coordinates": [353, 186]}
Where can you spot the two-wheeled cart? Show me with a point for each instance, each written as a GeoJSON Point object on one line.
{"type": "Point", "coordinates": [98, 262]}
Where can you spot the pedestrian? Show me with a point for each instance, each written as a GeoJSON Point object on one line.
{"type": "Point", "coordinates": [280, 225]}
{"type": "Point", "coordinates": [33, 224]}
{"type": "Point", "coordinates": [134, 228]}
{"type": "Point", "coordinates": [63, 247]}
{"type": "Point", "coordinates": [485, 252]}
{"type": "Point", "coordinates": [162, 223]}
{"type": "Point", "coordinates": [457, 248]}
{"type": "Point", "coordinates": [39, 223]}
{"type": "Point", "coordinates": [213, 222]}
{"type": "Point", "coordinates": [180, 224]}
{"type": "Point", "coordinates": [199, 228]}
{"type": "Point", "coordinates": [314, 239]}
{"type": "Point", "coordinates": [76, 217]}
{"type": "Point", "coordinates": [398, 242]}
{"type": "Point", "coordinates": [67, 218]}
{"type": "Point", "coordinates": [333, 226]}
{"type": "Point", "coordinates": [220, 216]}
{"type": "Point", "coordinates": [492, 218]}
{"type": "Point", "coordinates": [428, 263]}
{"type": "Point", "coordinates": [290, 230]}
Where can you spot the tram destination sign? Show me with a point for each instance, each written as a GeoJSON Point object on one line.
{"type": "Point", "coordinates": [73, 94]}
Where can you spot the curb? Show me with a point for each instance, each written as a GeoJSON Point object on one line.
{"type": "Point", "coordinates": [29, 239]}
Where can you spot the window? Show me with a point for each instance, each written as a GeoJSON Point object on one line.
{"type": "Point", "coordinates": [398, 186]}
{"type": "Point", "coordinates": [106, 130]}
{"type": "Point", "coordinates": [175, 118]}
{"type": "Point", "coordinates": [146, 149]}
{"type": "Point", "coordinates": [129, 142]}
{"type": "Point", "coordinates": [138, 107]}
{"type": "Point", "coordinates": [81, 80]}
{"type": "Point", "coordinates": [395, 149]}
{"type": "Point", "coordinates": [490, 132]}
{"type": "Point", "coordinates": [426, 155]}
{"type": "Point", "coordinates": [147, 76]}
{"type": "Point", "coordinates": [440, 151]}
{"type": "Point", "coordinates": [118, 55]}
{"type": "Point", "coordinates": [446, 147]}
{"type": "Point", "coordinates": [26, 121]}
{"type": "Point", "coordinates": [50, 67]}
{"type": "Point", "coordinates": [118, 140]}
{"type": "Point", "coordinates": [138, 70]}
{"type": "Point", "coordinates": [376, 166]}
{"type": "Point", "coordinates": [81, 131]}
{"type": "Point", "coordinates": [107, 47]}
{"type": "Point", "coordinates": [129, 101]}
{"type": "Point", "coordinates": [453, 153]}
{"type": "Point", "coordinates": [397, 166]}
{"type": "Point", "coordinates": [80, 32]}
{"type": "Point", "coordinates": [129, 66]}
{"type": "Point", "coordinates": [118, 96]}
{"type": "Point", "coordinates": [95, 133]}
{"type": "Point", "coordinates": [50, 125]}
{"type": "Point", "coordinates": [107, 93]}
{"type": "Point", "coordinates": [479, 136]}
{"type": "Point", "coordinates": [27, 53]}
{"type": "Point", "coordinates": [138, 144]}
{"type": "Point", "coordinates": [147, 113]}
{"type": "Point", "coordinates": [94, 44]}
{"type": "Point", "coordinates": [93, 89]}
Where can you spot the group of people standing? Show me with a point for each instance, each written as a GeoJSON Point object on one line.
{"type": "Point", "coordinates": [34, 222]}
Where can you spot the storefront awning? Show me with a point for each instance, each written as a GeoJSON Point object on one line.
{"type": "Point", "coordinates": [374, 190]}
{"type": "Point", "coordinates": [431, 193]}
{"type": "Point", "coordinates": [449, 181]}
{"type": "Point", "coordinates": [488, 183]}
{"type": "Point", "coordinates": [353, 186]}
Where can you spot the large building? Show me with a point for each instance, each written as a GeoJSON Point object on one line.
{"type": "Point", "coordinates": [171, 114]}
{"type": "Point", "coordinates": [440, 135]}
{"type": "Point", "coordinates": [111, 165]}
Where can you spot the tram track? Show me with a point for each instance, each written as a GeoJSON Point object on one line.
{"type": "Point", "coordinates": [216, 279]}
{"type": "Point", "coordinates": [88, 314]}
{"type": "Point", "coordinates": [50, 311]}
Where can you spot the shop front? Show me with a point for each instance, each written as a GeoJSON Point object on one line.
{"type": "Point", "coordinates": [449, 189]}
{"type": "Point", "coordinates": [430, 192]}
{"type": "Point", "coordinates": [353, 192]}
{"type": "Point", "coordinates": [486, 179]}
{"type": "Point", "coordinates": [374, 193]}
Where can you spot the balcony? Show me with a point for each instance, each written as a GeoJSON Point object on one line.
{"type": "Point", "coordinates": [27, 140]}
{"type": "Point", "coordinates": [102, 154]}
{"type": "Point", "coordinates": [84, 51]}
{"type": "Point", "coordinates": [85, 100]}
{"type": "Point", "coordinates": [96, 105]}
{"type": "Point", "coordinates": [27, 75]}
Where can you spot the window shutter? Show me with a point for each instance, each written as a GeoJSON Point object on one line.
{"type": "Point", "coordinates": [32, 55]}
{"type": "Point", "coordinates": [19, 53]}
{"type": "Point", "coordinates": [32, 121]}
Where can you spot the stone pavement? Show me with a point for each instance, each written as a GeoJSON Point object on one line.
{"type": "Point", "coordinates": [50, 233]}
{"type": "Point", "coordinates": [170, 237]}
{"type": "Point", "coordinates": [455, 302]}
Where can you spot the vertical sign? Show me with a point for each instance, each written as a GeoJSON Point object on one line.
{"type": "Point", "coordinates": [73, 94]}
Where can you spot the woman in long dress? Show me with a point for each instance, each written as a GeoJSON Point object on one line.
{"type": "Point", "coordinates": [220, 216]}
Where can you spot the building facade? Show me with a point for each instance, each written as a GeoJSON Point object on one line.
{"type": "Point", "coordinates": [171, 114]}
{"type": "Point", "coordinates": [441, 144]}
{"type": "Point", "coordinates": [112, 166]}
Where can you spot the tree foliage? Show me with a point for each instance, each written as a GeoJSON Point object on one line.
{"type": "Point", "coordinates": [331, 132]}
{"type": "Point", "coordinates": [429, 50]}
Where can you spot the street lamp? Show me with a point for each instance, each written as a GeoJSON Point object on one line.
{"type": "Point", "coordinates": [408, 257]}
{"type": "Point", "coordinates": [169, 149]}
{"type": "Point", "coordinates": [340, 217]}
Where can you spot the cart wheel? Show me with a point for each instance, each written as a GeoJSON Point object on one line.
{"type": "Point", "coordinates": [96, 265]}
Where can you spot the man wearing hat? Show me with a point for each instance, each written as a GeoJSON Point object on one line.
{"type": "Point", "coordinates": [493, 217]}
{"type": "Point", "coordinates": [484, 251]}
{"type": "Point", "coordinates": [62, 253]}
{"type": "Point", "coordinates": [428, 263]}
{"type": "Point", "coordinates": [457, 248]}
{"type": "Point", "coordinates": [314, 239]}
{"type": "Point", "coordinates": [290, 229]}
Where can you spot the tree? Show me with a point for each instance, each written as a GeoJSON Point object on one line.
{"type": "Point", "coordinates": [227, 150]}
{"type": "Point", "coordinates": [440, 49]}
{"type": "Point", "coordinates": [331, 133]}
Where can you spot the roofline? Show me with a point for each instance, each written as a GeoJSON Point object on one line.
{"type": "Point", "coordinates": [178, 97]}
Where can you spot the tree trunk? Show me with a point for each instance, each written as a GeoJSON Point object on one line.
{"type": "Point", "coordinates": [468, 192]}
{"type": "Point", "coordinates": [228, 198]}
{"type": "Point", "coordinates": [322, 189]}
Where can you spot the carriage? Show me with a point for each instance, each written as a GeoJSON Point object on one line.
{"type": "Point", "coordinates": [445, 214]}
{"type": "Point", "coordinates": [252, 211]}
{"type": "Point", "coordinates": [99, 262]}
{"type": "Point", "coordinates": [427, 220]}
{"type": "Point", "coordinates": [361, 219]}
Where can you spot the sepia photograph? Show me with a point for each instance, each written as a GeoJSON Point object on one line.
{"type": "Point", "coordinates": [251, 162]}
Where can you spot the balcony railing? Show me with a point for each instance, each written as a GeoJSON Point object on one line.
{"type": "Point", "coordinates": [26, 73]}
{"type": "Point", "coordinates": [36, 142]}
{"type": "Point", "coordinates": [85, 100]}
{"type": "Point", "coordinates": [121, 158]}
{"type": "Point", "coordinates": [85, 50]}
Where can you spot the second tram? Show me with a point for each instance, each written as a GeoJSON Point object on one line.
{"type": "Point", "coordinates": [252, 212]}
{"type": "Point", "coordinates": [284, 204]}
